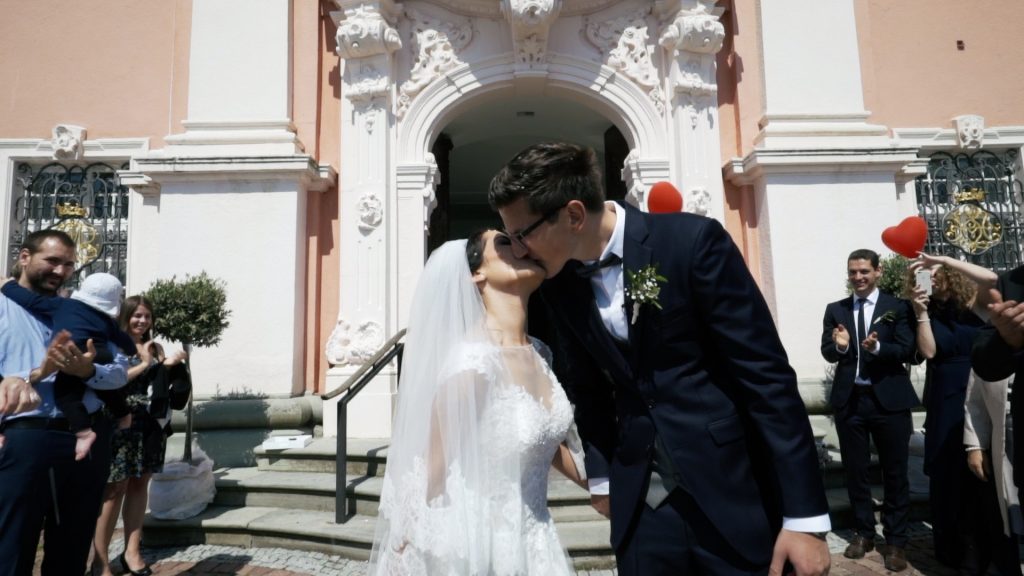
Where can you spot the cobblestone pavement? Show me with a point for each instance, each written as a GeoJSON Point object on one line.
{"type": "Point", "coordinates": [207, 560]}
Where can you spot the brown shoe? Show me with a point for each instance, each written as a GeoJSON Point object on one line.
{"type": "Point", "coordinates": [859, 546]}
{"type": "Point", "coordinates": [895, 559]}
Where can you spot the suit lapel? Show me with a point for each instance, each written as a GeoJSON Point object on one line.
{"type": "Point", "coordinates": [635, 255]}
{"type": "Point", "coordinates": [577, 299]}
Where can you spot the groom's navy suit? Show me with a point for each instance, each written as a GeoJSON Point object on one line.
{"type": "Point", "coordinates": [706, 375]}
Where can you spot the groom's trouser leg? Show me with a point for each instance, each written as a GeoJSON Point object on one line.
{"type": "Point", "coordinates": [891, 432]}
{"type": "Point", "coordinates": [852, 426]}
{"type": "Point", "coordinates": [678, 539]}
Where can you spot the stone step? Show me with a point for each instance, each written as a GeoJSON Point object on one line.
{"type": "Point", "coordinates": [365, 457]}
{"type": "Point", "coordinates": [262, 526]}
{"type": "Point", "coordinates": [316, 491]}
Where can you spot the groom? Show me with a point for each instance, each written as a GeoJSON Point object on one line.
{"type": "Point", "coordinates": [685, 399]}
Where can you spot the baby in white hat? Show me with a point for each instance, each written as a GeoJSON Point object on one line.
{"type": "Point", "coordinates": [89, 314]}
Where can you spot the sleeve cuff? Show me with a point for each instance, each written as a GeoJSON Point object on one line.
{"type": "Point", "coordinates": [811, 524]}
{"type": "Point", "coordinates": [598, 486]}
{"type": "Point", "coordinates": [878, 348]}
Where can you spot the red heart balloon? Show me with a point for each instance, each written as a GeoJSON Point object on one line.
{"type": "Point", "coordinates": [664, 197]}
{"type": "Point", "coordinates": [908, 237]}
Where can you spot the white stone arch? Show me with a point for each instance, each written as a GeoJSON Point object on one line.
{"type": "Point", "coordinates": [591, 83]}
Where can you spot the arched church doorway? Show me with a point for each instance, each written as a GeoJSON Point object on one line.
{"type": "Point", "coordinates": [476, 144]}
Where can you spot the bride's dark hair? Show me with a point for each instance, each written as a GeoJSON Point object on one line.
{"type": "Point", "coordinates": [475, 250]}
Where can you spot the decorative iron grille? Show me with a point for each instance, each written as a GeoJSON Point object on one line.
{"type": "Point", "coordinates": [87, 202]}
{"type": "Point", "coordinates": [971, 203]}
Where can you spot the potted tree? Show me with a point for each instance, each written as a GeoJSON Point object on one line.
{"type": "Point", "coordinates": [193, 312]}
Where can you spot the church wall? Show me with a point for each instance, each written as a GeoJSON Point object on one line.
{"type": "Point", "coordinates": [72, 63]}
{"type": "Point", "coordinates": [914, 74]}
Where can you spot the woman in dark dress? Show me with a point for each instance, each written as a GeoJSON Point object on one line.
{"type": "Point", "coordinates": [947, 322]}
{"type": "Point", "coordinates": [138, 451]}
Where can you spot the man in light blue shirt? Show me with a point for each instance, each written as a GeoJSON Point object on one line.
{"type": "Point", "coordinates": [41, 484]}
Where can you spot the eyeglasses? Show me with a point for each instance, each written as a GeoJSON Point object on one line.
{"type": "Point", "coordinates": [519, 236]}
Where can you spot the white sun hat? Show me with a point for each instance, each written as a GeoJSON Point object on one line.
{"type": "Point", "coordinates": [102, 291]}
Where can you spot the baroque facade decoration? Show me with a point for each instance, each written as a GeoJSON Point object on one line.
{"type": "Point", "coordinates": [970, 130]}
{"type": "Point", "coordinates": [351, 345]}
{"type": "Point", "coordinates": [530, 21]}
{"type": "Point", "coordinates": [436, 45]}
{"type": "Point", "coordinates": [623, 41]}
{"type": "Point", "coordinates": [371, 212]}
{"type": "Point", "coordinates": [68, 142]}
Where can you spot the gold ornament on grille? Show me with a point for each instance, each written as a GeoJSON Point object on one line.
{"type": "Point", "coordinates": [87, 239]}
{"type": "Point", "coordinates": [971, 227]}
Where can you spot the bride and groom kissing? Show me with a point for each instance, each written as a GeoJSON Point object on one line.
{"type": "Point", "coordinates": [695, 441]}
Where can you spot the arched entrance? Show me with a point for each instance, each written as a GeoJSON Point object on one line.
{"type": "Point", "coordinates": [435, 86]}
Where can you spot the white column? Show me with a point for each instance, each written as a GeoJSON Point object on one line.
{"type": "Point", "coordinates": [813, 95]}
{"type": "Point", "coordinates": [366, 39]}
{"type": "Point", "coordinates": [691, 38]}
{"type": "Point", "coordinates": [239, 89]}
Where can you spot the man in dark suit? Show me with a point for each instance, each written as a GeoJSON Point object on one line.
{"type": "Point", "coordinates": [685, 399]}
{"type": "Point", "coordinates": [997, 352]}
{"type": "Point", "coordinates": [871, 337]}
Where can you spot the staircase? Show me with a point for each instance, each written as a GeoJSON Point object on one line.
{"type": "Point", "coordinates": [287, 500]}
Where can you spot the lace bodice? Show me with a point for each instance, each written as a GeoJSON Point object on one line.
{"type": "Point", "coordinates": [525, 417]}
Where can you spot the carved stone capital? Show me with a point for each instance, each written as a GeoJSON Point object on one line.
{"type": "Point", "coordinates": [364, 81]}
{"type": "Point", "coordinates": [68, 142]}
{"type": "Point", "coordinates": [353, 345]}
{"type": "Point", "coordinates": [970, 130]}
{"type": "Point", "coordinates": [366, 29]}
{"type": "Point", "coordinates": [530, 21]}
{"type": "Point", "coordinates": [696, 30]}
{"type": "Point", "coordinates": [436, 45]}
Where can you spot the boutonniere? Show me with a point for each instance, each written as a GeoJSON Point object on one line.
{"type": "Point", "coordinates": [644, 287]}
{"type": "Point", "coordinates": [888, 318]}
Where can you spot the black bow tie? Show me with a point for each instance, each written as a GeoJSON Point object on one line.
{"type": "Point", "coordinates": [588, 270]}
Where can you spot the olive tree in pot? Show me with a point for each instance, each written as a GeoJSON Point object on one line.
{"type": "Point", "coordinates": [192, 311]}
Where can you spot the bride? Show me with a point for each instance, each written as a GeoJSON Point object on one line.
{"type": "Point", "coordinates": [480, 421]}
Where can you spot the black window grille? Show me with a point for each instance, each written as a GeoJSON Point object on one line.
{"type": "Point", "coordinates": [88, 202]}
{"type": "Point", "coordinates": [971, 202]}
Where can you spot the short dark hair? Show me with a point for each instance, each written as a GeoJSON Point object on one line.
{"type": "Point", "coordinates": [131, 304]}
{"type": "Point", "coordinates": [34, 241]}
{"type": "Point", "coordinates": [549, 175]}
{"type": "Point", "coordinates": [475, 250]}
{"type": "Point", "coordinates": [865, 254]}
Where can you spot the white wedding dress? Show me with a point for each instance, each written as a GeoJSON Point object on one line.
{"type": "Point", "coordinates": [491, 523]}
{"type": "Point", "coordinates": [476, 428]}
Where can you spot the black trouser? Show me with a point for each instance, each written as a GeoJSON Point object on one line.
{"type": "Point", "coordinates": [858, 423]}
{"type": "Point", "coordinates": [42, 487]}
{"type": "Point", "coordinates": [677, 538]}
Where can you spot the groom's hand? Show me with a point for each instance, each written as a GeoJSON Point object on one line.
{"type": "Point", "coordinates": [602, 504]}
{"type": "Point", "coordinates": [807, 553]}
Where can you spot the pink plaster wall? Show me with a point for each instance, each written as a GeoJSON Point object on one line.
{"type": "Point", "coordinates": [118, 68]}
{"type": "Point", "coordinates": [913, 74]}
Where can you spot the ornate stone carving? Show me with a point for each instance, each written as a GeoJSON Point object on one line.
{"type": "Point", "coordinates": [695, 30]}
{"type": "Point", "coordinates": [68, 142]}
{"type": "Point", "coordinates": [623, 41]}
{"type": "Point", "coordinates": [690, 80]}
{"type": "Point", "coordinates": [530, 21]}
{"type": "Point", "coordinates": [365, 31]}
{"type": "Point", "coordinates": [489, 8]}
{"type": "Point", "coordinates": [436, 45]}
{"type": "Point", "coordinates": [365, 81]}
{"type": "Point", "coordinates": [429, 191]}
{"type": "Point", "coordinates": [699, 202]}
{"type": "Point", "coordinates": [371, 212]}
{"type": "Point", "coordinates": [970, 130]}
{"type": "Point", "coordinates": [354, 345]}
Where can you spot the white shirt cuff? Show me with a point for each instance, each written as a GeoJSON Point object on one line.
{"type": "Point", "coordinates": [878, 346]}
{"type": "Point", "coordinates": [811, 524]}
{"type": "Point", "coordinates": [598, 486]}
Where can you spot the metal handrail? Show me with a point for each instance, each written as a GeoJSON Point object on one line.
{"type": "Point", "coordinates": [345, 505]}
